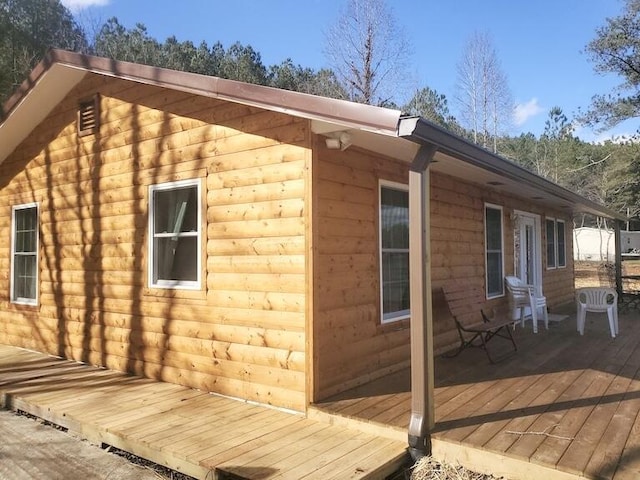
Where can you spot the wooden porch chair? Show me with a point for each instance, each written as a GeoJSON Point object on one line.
{"type": "Point", "coordinates": [475, 329]}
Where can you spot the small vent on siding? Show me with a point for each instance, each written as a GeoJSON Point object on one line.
{"type": "Point", "coordinates": [88, 116]}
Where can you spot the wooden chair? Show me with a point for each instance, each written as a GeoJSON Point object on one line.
{"type": "Point", "coordinates": [475, 329]}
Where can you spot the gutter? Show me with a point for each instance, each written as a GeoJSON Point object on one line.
{"type": "Point", "coordinates": [421, 131]}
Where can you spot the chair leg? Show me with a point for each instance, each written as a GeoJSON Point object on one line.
{"type": "Point", "coordinates": [534, 317]}
{"type": "Point", "coordinates": [612, 322]}
{"type": "Point", "coordinates": [580, 316]}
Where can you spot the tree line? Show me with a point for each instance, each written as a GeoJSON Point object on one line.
{"type": "Point", "coordinates": [374, 73]}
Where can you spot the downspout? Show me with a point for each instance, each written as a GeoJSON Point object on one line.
{"type": "Point", "coordinates": [422, 418]}
{"type": "Point", "coordinates": [618, 261]}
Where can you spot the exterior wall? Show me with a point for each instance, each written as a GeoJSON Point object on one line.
{"type": "Point", "coordinates": [457, 247]}
{"type": "Point", "coordinates": [351, 346]}
{"type": "Point", "coordinates": [243, 333]}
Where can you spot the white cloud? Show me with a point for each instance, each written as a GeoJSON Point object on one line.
{"type": "Point", "coordinates": [77, 5]}
{"type": "Point", "coordinates": [524, 111]}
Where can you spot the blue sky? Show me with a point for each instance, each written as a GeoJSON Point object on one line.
{"type": "Point", "coordinates": [539, 43]}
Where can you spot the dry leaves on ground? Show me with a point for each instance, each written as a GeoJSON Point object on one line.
{"type": "Point", "coordinates": [429, 469]}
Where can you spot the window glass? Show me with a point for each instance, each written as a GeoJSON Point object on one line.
{"type": "Point", "coordinates": [551, 243]}
{"type": "Point", "coordinates": [394, 239]}
{"type": "Point", "coordinates": [25, 255]}
{"type": "Point", "coordinates": [493, 246]}
{"type": "Point", "coordinates": [562, 253]}
{"type": "Point", "coordinates": [175, 249]}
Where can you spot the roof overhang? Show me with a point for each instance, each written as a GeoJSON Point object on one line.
{"type": "Point", "coordinates": [460, 158]}
{"type": "Point", "coordinates": [376, 129]}
{"type": "Point", "coordinates": [61, 70]}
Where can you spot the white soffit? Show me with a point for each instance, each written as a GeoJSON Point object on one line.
{"type": "Point", "coordinates": [384, 144]}
{"type": "Point", "coordinates": [34, 107]}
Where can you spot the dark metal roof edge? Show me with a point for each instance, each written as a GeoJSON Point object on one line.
{"type": "Point", "coordinates": [420, 130]}
{"type": "Point", "coordinates": [342, 112]}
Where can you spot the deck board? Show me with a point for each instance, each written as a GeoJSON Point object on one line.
{"type": "Point", "coordinates": [188, 430]}
{"type": "Point", "coordinates": [584, 391]}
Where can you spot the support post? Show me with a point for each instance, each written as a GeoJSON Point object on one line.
{"type": "Point", "coordinates": [422, 418]}
{"type": "Point", "coordinates": [618, 261]}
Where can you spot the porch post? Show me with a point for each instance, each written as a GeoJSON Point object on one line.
{"type": "Point", "coordinates": [618, 262]}
{"type": "Point", "coordinates": [422, 418]}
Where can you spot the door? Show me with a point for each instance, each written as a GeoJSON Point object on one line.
{"type": "Point", "coordinates": [527, 248]}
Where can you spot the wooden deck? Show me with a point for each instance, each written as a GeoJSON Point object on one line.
{"type": "Point", "coordinates": [187, 430]}
{"type": "Point", "coordinates": [564, 406]}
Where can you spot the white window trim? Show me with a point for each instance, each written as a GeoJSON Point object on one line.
{"type": "Point", "coordinates": [20, 300]}
{"type": "Point", "coordinates": [486, 266]}
{"type": "Point", "coordinates": [557, 243]}
{"type": "Point", "coordinates": [404, 314]}
{"type": "Point", "coordinates": [174, 284]}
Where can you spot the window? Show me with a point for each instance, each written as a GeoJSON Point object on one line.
{"type": "Point", "coordinates": [562, 252]}
{"type": "Point", "coordinates": [175, 243]}
{"type": "Point", "coordinates": [551, 243]}
{"type": "Point", "coordinates": [494, 251]}
{"type": "Point", "coordinates": [24, 254]}
{"type": "Point", "coordinates": [89, 116]}
{"type": "Point", "coordinates": [394, 251]}
{"type": "Point", "coordinates": [556, 244]}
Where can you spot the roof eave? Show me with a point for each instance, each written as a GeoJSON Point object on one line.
{"type": "Point", "coordinates": [421, 131]}
{"type": "Point", "coordinates": [64, 69]}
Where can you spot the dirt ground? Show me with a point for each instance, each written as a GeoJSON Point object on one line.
{"type": "Point", "coordinates": [32, 450]}
{"type": "Point", "coordinates": [600, 274]}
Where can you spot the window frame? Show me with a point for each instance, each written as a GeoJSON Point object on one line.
{"type": "Point", "coordinates": [152, 262]}
{"type": "Point", "coordinates": [12, 294]}
{"type": "Point", "coordinates": [564, 243]}
{"type": "Point", "coordinates": [501, 293]}
{"type": "Point", "coordinates": [390, 317]}
{"type": "Point", "coordinates": [557, 246]}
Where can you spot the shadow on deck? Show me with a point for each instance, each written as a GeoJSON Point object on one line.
{"type": "Point", "coordinates": [564, 406]}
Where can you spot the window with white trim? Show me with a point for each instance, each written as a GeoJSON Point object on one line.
{"type": "Point", "coordinates": [394, 251]}
{"type": "Point", "coordinates": [24, 254]}
{"type": "Point", "coordinates": [560, 242]}
{"type": "Point", "coordinates": [556, 243]}
{"type": "Point", "coordinates": [175, 235]}
{"type": "Point", "coordinates": [494, 256]}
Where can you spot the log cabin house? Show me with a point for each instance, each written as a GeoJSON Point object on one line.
{"type": "Point", "coordinates": [249, 241]}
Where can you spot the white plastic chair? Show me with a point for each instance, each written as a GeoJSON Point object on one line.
{"type": "Point", "coordinates": [523, 296]}
{"type": "Point", "coordinates": [597, 299]}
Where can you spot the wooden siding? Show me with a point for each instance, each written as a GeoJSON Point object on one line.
{"type": "Point", "coordinates": [351, 345]}
{"type": "Point", "coordinates": [243, 333]}
{"type": "Point", "coordinates": [457, 246]}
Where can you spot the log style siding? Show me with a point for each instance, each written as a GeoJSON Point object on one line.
{"type": "Point", "coordinates": [350, 343]}
{"type": "Point", "coordinates": [242, 333]}
{"type": "Point", "coordinates": [288, 308]}
{"type": "Point", "coordinates": [347, 318]}
{"type": "Point", "coordinates": [457, 247]}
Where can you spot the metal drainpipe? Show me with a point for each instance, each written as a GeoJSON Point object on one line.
{"type": "Point", "coordinates": [422, 408]}
{"type": "Point", "coordinates": [618, 257]}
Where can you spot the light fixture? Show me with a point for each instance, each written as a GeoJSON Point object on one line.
{"type": "Point", "coordinates": [340, 140]}
{"type": "Point", "coordinates": [332, 143]}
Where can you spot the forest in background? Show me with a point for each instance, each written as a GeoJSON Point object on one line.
{"type": "Point", "coordinates": [606, 172]}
